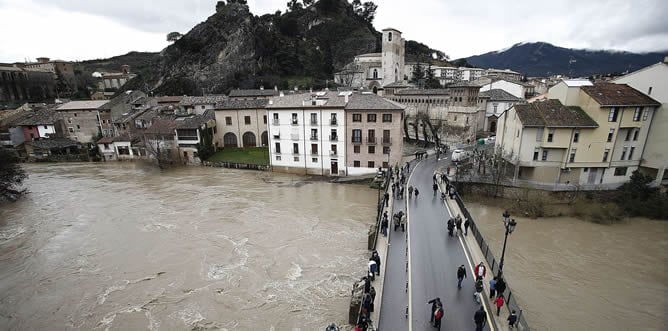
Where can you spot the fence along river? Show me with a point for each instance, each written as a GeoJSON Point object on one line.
{"type": "Point", "coordinates": [123, 247]}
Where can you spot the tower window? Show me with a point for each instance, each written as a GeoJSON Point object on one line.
{"type": "Point", "coordinates": [389, 36]}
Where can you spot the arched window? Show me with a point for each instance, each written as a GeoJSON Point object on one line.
{"type": "Point", "coordinates": [389, 36]}
{"type": "Point", "coordinates": [375, 73]}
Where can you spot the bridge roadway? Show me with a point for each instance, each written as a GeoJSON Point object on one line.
{"type": "Point", "coordinates": [433, 257]}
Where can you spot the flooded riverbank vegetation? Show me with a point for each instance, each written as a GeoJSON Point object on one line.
{"type": "Point", "coordinates": [634, 199]}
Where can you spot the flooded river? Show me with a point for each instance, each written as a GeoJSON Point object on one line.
{"type": "Point", "coordinates": [121, 247]}
{"type": "Point", "coordinates": [575, 275]}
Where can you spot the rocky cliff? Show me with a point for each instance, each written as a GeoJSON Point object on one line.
{"type": "Point", "coordinates": [235, 49]}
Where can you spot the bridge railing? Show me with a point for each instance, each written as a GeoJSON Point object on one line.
{"type": "Point", "coordinates": [511, 303]}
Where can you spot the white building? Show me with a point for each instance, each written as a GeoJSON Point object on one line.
{"type": "Point", "coordinates": [495, 102]}
{"type": "Point", "coordinates": [568, 90]}
{"type": "Point", "coordinates": [516, 88]}
{"type": "Point", "coordinates": [653, 82]}
{"type": "Point", "coordinates": [307, 132]}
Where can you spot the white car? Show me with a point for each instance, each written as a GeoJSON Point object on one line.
{"type": "Point", "coordinates": [490, 140]}
{"type": "Point", "coordinates": [459, 155]}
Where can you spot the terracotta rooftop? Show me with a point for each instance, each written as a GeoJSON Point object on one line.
{"type": "Point", "coordinates": [242, 104]}
{"type": "Point", "coordinates": [551, 113]}
{"type": "Point", "coordinates": [162, 126]}
{"type": "Point", "coordinates": [106, 140]}
{"type": "Point", "coordinates": [252, 93]}
{"type": "Point", "coordinates": [303, 100]}
{"type": "Point", "coordinates": [610, 94]}
{"type": "Point", "coordinates": [205, 100]}
{"type": "Point", "coordinates": [498, 95]}
{"type": "Point", "coordinates": [194, 121]}
{"type": "Point", "coordinates": [371, 102]}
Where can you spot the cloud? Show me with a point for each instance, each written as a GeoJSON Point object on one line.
{"type": "Point", "coordinates": [100, 28]}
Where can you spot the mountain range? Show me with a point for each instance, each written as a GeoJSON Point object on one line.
{"type": "Point", "coordinates": [540, 59]}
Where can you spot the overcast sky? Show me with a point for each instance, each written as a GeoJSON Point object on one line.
{"type": "Point", "coordinates": [90, 29]}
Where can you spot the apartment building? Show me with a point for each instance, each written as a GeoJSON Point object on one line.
{"type": "Point", "coordinates": [598, 142]}
{"type": "Point", "coordinates": [653, 82]}
{"type": "Point", "coordinates": [84, 120]}
{"type": "Point", "coordinates": [306, 133]}
{"type": "Point", "coordinates": [374, 136]}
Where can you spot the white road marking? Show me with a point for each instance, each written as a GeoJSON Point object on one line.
{"type": "Point", "coordinates": [408, 245]}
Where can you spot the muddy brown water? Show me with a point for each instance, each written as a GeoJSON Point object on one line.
{"type": "Point", "coordinates": [118, 246]}
{"type": "Point", "coordinates": [569, 274]}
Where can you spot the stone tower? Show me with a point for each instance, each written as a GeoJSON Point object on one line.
{"type": "Point", "coordinates": [393, 56]}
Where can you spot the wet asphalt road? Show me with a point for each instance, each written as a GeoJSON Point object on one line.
{"type": "Point", "coordinates": [434, 258]}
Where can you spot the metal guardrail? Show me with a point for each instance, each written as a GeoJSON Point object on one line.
{"type": "Point", "coordinates": [511, 303]}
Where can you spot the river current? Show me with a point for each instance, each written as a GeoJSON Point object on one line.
{"type": "Point", "coordinates": [569, 274]}
{"type": "Point", "coordinates": [119, 246]}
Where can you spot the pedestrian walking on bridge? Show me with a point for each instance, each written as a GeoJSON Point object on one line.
{"type": "Point", "coordinates": [466, 226]}
{"type": "Point", "coordinates": [458, 224]}
{"type": "Point", "coordinates": [435, 303]}
{"type": "Point", "coordinates": [498, 302]}
{"type": "Point", "coordinates": [435, 187]}
{"type": "Point", "coordinates": [416, 193]}
{"type": "Point", "coordinates": [410, 192]}
{"type": "Point", "coordinates": [492, 284]}
{"type": "Point", "coordinates": [480, 271]}
{"type": "Point", "coordinates": [479, 318]}
{"type": "Point", "coordinates": [461, 274]}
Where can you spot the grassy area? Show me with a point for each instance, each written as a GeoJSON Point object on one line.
{"type": "Point", "coordinates": [256, 155]}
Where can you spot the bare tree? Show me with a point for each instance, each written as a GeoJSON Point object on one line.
{"type": "Point", "coordinates": [158, 150]}
{"type": "Point", "coordinates": [497, 167]}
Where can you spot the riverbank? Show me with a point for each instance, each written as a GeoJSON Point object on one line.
{"type": "Point", "coordinates": [569, 274]}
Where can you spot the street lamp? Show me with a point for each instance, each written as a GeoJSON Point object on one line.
{"type": "Point", "coordinates": [510, 227]}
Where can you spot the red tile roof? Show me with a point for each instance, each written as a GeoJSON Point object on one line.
{"type": "Point", "coordinates": [610, 94]}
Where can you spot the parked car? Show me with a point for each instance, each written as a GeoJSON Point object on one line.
{"type": "Point", "coordinates": [490, 140]}
{"type": "Point", "coordinates": [459, 155]}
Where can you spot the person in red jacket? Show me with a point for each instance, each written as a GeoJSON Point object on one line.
{"type": "Point", "coordinates": [480, 271]}
{"type": "Point", "coordinates": [499, 301]}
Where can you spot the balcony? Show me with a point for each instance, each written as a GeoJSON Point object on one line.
{"type": "Point", "coordinates": [275, 121]}
{"type": "Point", "coordinates": [357, 140]}
{"type": "Point", "coordinates": [370, 140]}
{"type": "Point", "coordinates": [314, 122]}
{"type": "Point", "coordinates": [333, 138]}
{"type": "Point", "coordinates": [293, 122]}
{"type": "Point", "coordinates": [333, 121]}
{"type": "Point", "coordinates": [333, 153]}
{"type": "Point", "coordinates": [314, 152]}
{"type": "Point", "coordinates": [387, 141]}
{"type": "Point", "coordinates": [294, 136]}
{"type": "Point", "coordinates": [314, 138]}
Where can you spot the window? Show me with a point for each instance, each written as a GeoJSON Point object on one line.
{"type": "Point", "coordinates": [386, 150]}
{"type": "Point", "coordinates": [518, 133]}
{"type": "Point", "coordinates": [633, 149]}
{"type": "Point", "coordinates": [636, 114]}
{"type": "Point", "coordinates": [375, 73]}
{"type": "Point", "coordinates": [106, 146]}
{"type": "Point", "coordinates": [576, 135]}
{"type": "Point", "coordinates": [572, 156]}
{"type": "Point", "coordinates": [333, 150]}
{"type": "Point", "coordinates": [371, 136]}
{"type": "Point", "coordinates": [247, 120]}
{"type": "Point", "coordinates": [75, 114]}
{"type": "Point", "coordinates": [370, 164]}
{"type": "Point", "coordinates": [332, 121]}
{"type": "Point", "coordinates": [628, 135]}
{"type": "Point", "coordinates": [357, 117]}
{"type": "Point", "coordinates": [539, 134]}
{"type": "Point", "coordinates": [649, 91]}
{"type": "Point", "coordinates": [78, 127]}
{"type": "Point", "coordinates": [357, 136]}
{"type": "Point", "coordinates": [314, 149]}
{"type": "Point", "coordinates": [611, 134]}
{"type": "Point", "coordinates": [45, 127]}
{"type": "Point", "coordinates": [314, 119]}
{"type": "Point", "coordinates": [228, 120]}
{"type": "Point", "coordinates": [624, 150]}
{"type": "Point", "coordinates": [372, 149]}
{"type": "Point", "coordinates": [356, 164]}
{"type": "Point", "coordinates": [356, 149]}
{"type": "Point", "coordinates": [389, 36]}
{"type": "Point", "coordinates": [278, 157]}
{"type": "Point", "coordinates": [202, 107]}
{"type": "Point", "coordinates": [371, 117]}
{"type": "Point", "coordinates": [455, 118]}
{"type": "Point", "coordinates": [606, 153]}
{"type": "Point", "coordinates": [314, 160]}
{"type": "Point", "coordinates": [71, 130]}
{"type": "Point", "coordinates": [69, 120]}
{"type": "Point", "coordinates": [385, 165]}
{"type": "Point", "coordinates": [544, 156]}
{"type": "Point", "coordinates": [550, 135]}
{"type": "Point", "coordinates": [635, 134]}
{"type": "Point", "coordinates": [333, 136]}
{"type": "Point", "coordinates": [314, 134]}
{"type": "Point", "coordinates": [387, 118]}
{"type": "Point", "coordinates": [612, 116]}
{"type": "Point", "coordinates": [295, 148]}
{"type": "Point", "coordinates": [535, 154]}
{"type": "Point", "coordinates": [264, 119]}
{"type": "Point", "coordinates": [496, 106]}
{"type": "Point", "coordinates": [296, 158]}
{"type": "Point", "coordinates": [646, 114]}
{"type": "Point", "coordinates": [620, 171]}
{"type": "Point", "coordinates": [294, 119]}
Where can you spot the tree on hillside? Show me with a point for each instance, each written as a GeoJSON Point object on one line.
{"type": "Point", "coordinates": [418, 74]}
{"type": "Point", "coordinates": [174, 36]}
{"type": "Point", "coordinates": [430, 79]}
{"type": "Point", "coordinates": [11, 176]}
